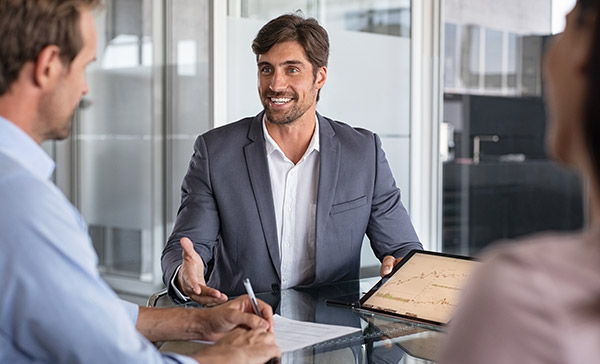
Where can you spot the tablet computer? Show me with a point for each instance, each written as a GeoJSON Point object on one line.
{"type": "Point", "coordinates": [424, 287]}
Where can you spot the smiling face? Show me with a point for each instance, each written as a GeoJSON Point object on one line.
{"type": "Point", "coordinates": [287, 85]}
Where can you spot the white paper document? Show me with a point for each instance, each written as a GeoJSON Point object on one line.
{"type": "Point", "coordinates": [292, 335]}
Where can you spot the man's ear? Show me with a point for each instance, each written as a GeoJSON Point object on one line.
{"type": "Point", "coordinates": [321, 77]}
{"type": "Point", "coordinates": [48, 67]}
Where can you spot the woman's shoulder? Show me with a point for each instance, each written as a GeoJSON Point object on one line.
{"type": "Point", "coordinates": [522, 298]}
{"type": "Point", "coordinates": [542, 251]}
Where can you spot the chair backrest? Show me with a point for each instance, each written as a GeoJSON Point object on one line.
{"type": "Point", "coordinates": [159, 299]}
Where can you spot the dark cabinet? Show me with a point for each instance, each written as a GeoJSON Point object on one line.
{"type": "Point", "coordinates": [500, 183]}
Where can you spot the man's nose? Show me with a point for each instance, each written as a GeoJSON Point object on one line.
{"type": "Point", "coordinates": [278, 82]}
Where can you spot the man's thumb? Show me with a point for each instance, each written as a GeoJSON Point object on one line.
{"type": "Point", "coordinates": [187, 246]}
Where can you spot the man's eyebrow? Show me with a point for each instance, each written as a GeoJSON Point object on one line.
{"type": "Point", "coordinates": [285, 63]}
{"type": "Point", "coordinates": [292, 61]}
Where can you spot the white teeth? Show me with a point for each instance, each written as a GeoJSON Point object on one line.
{"type": "Point", "coordinates": [280, 100]}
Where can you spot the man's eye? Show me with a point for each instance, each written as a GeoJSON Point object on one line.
{"type": "Point", "coordinates": [293, 70]}
{"type": "Point", "coordinates": [266, 70]}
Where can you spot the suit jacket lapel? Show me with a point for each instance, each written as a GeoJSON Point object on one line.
{"type": "Point", "coordinates": [258, 169]}
{"type": "Point", "coordinates": [328, 174]}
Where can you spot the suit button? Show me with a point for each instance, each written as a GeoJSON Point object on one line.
{"type": "Point", "coordinates": [275, 287]}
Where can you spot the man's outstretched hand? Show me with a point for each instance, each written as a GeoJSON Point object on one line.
{"type": "Point", "coordinates": [190, 278]}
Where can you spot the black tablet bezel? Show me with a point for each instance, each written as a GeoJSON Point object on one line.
{"type": "Point", "coordinates": [383, 280]}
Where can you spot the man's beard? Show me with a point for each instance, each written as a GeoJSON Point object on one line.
{"type": "Point", "coordinates": [64, 131]}
{"type": "Point", "coordinates": [57, 120]}
{"type": "Point", "coordinates": [290, 115]}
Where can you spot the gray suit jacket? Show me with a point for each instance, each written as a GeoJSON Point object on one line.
{"type": "Point", "coordinates": [227, 207]}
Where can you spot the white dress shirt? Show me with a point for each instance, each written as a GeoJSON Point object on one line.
{"type": "Point", "coordinates": [294, 188]}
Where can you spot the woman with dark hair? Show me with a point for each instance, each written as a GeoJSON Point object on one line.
{"type": "Point", "coordinates": [538, 300]}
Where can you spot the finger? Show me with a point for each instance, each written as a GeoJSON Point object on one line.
{"type": "Point", "coordinates": [386, 265]}
{"type": "Point", "coordinates": [195, 289]}
{"type": "Point", "coordinates": [212, 292]}
{"type": "Point", "coordinates": [249, 320]}
{"type": "Point", "coordinates": [244, 303]}
{"type": "Point", "coordinates": [267, 313]}
{"type": "Point", "coordinates": [386, 343]}
{"type": "Point", "coordinates": [188, 247]}
{"type": "Point", "coordinates": [209, 300]}
{"type": "Point", "coordinates": [209, 294]}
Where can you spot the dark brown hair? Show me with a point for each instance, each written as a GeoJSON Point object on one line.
{"type": "Point", "coordinates": [28, 26]}
{"type": "Point", "coordinates": [295, 27]}
{"type": "Point", "coordinates": [591, 112]}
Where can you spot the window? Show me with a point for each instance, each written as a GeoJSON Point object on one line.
{"type": "Point", "coordinates": [498, 181]}
{"type": "Point", "coordinates": [132, 140]}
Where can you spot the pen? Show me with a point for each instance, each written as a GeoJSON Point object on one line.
{"type": "Point", "coordinates": [256, 311]}
{"type": "Point", "coordinates": [252, 296]}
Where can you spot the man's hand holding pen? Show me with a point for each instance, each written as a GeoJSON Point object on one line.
{"type": "Point", "coordinates": [243, 336]}
{"type": "Point", "coordinates": [242, 327]}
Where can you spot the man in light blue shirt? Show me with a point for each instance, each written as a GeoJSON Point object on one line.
{"type": "Point", "coordinates": [54, 306]}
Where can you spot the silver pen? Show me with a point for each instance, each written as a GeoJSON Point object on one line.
{"type": "Point", "coordinates": [252, 296]}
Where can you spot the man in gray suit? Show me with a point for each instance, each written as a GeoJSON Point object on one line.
{"type": "Point", "coordinates": [286, 197]}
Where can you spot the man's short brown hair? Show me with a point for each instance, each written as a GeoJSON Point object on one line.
{"type": "Point", "coordinates": [28, 26]}
{"type": "Point", "coordinates": [295, 27]}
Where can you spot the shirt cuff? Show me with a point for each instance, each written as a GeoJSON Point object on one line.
{"type": "Point", "coordinates": [132, 310]}
{"type": "Point", "coordinates": [177, 359]}
{"type": "Point", "coordinates": [175, 289]}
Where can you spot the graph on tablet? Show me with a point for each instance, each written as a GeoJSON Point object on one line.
{"type": "Point", "coordinates": [427, 286]}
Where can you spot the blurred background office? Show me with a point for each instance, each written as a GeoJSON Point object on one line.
{"type": "Point", "coordinates": [453, 87]}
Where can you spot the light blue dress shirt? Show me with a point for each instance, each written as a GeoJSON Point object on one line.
{"type": "Point", "coordinates": [54, 307]}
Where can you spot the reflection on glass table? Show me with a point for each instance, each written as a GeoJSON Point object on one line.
{"type": "Point", "coordinates": [380, 339]}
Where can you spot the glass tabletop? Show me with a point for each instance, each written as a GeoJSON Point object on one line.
{"type": "Point", "coordinates": [380, 339]}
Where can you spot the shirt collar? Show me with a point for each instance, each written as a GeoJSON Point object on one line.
{"type": "Point", "coordinates": [18, 145]}
{"type": "Point", "coordinates": [272, 146]}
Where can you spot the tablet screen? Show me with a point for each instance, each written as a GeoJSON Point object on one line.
{"type": "Point", "coordinates": [424, 286]}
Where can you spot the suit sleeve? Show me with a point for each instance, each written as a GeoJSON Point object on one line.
{"type": "Point", "coordinates": [197, 217]}
{"type": "Point", "coordinates": [389, 230]}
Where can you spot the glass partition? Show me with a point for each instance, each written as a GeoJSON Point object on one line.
{"type": "Point", "coordinates": [133, 137]}
{"type": "Point", "coordinates": [498, 181]}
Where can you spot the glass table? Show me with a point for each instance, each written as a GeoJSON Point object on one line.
{"type": "Point", "coordinates": [380, 339]}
